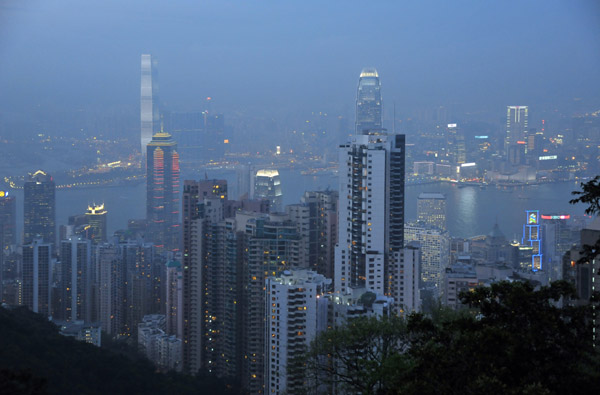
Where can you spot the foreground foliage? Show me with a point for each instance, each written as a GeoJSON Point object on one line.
{"type": "Point", "coordinates": [36, 359]}
{"type": "Point", "coordinates": [513, 340]}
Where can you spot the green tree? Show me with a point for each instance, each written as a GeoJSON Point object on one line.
{"type": "Point", "coordinates": [513, 340]}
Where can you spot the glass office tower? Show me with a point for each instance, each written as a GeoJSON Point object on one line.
{"type": "Point", "coordinates": [368, 102]}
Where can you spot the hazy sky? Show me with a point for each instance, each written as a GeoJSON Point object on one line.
{"type": "Point", "coordinates": [286, 55]}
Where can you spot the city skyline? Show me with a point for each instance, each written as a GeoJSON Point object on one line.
{"type": "Point", "coordinates": [273, 225]}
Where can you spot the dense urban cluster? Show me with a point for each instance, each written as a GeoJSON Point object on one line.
{"type": "Point", "coordinates": [240, 287]}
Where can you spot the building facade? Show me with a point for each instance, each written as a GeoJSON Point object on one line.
{"type": "Point", "coordinates": [37, 276]}
{"type": "Point", "coordinates": [162, 197]}
{"type": "Point", "coordinates": [267, 185]}
{"type": "Point", "coordinates": [371, 211]}
{"type": "Point", "coordinates": [149, 112]}
{"type": "Point", "coordinates": [369, 106]}
{"type": "Point", "coordinates": [296, 311]}
{"type": "Point", "coordinates": [431, 210]}
{"type": "Point", "coordinates": [96, 218]}
{"type": "Point", "coordinates": [39, 208]}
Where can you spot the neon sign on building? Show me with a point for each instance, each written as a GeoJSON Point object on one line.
{"type": "Point", "coordinates": [532, 237]}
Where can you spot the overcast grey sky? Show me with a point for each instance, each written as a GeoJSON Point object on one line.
{"type": "Point", "coordinates": [284, 55]}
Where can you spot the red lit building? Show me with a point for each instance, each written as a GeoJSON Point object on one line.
{"type": "Point", "coordinates": [162, 198]}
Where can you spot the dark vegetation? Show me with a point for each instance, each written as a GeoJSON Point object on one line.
{"type": "Point", "coordinates": [512, 340]}
{"type": "Point", "coordinates": [36, 359]}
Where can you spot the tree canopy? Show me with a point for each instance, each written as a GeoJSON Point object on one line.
{"type": "Point", "coordinates": [512, 340]}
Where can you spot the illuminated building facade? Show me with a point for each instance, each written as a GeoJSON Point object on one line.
{"type": "Point", "coordinates": [202, 208]}
{"type": "Point", "coordinates": [40, 208]}
{"type": "Point", "coordinates": [455, 140]}
{"type": "Point", "coordinates": [532, 237]}
{"type": "Point", "coordinates": [557, 239]}
{"type": "Point", "coordinates": [516, 126]}
{"type": "Point", "coordinates": [368, 102]}
{"type": "Point", "coordinates": [149, 113]}
{"type": "Point", "coordinates": [431, 210]}
{"type": "Point", "coordinates": [371, 211]}
{"type": "Point", "coordinates": [162, 198]}
{"type": "Point", "coordinates": [267, 185]}
{"type": "Point", "coordinates": [96, 219]}
{"type": "Point", "coordinates": [272, 247]}
{"type": "Point", "coordinates": [435, 252]}
{"type": "Point", "coordinates": [297, 312]}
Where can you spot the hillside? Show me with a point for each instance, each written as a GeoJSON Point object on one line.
{"type": "Point", "coordinates": [36, 359]}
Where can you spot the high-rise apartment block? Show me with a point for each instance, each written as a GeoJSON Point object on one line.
{"type": "Point", "coordinates": [174, 299]}
{"type": "Point", "coordinates": [371, 211]}
{"type": "Point", "coordinates": [40, 208]}
{"type": "Point", "coordinates": [197, 218]}
{"type": "Point", "coordinates": [77, 279]}
{"type": "Point", "coordinates": [273, 246]}
{"type": "Point", "coordinates": [316, 221]}
{"type": "Point", "coordinates": [431, 210]}
{"type": "Point", "coordinates": [112, 285]}
{"type": "Point", "coordinates": [162, 198]}
{"type": "Point", "coordinates": [296, 313]}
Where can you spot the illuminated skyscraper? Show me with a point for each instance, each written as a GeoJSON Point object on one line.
{"type": "Point", "coordinates": [516, 126]}
{"type": "Point", "coordinates": [431, 209]}
{"type": "Point", "coordinates": [368, 102]}
{"type": "Point", "coordinates": [162, 199]}
{"type": "Point", "coordinates": [39, 208]}
{"type": "Point", "coordinates": [371, 199]}
{"type": "Point", "coordinates": [532, 237]}
{"type": "Point", "coordinates": [267, 185]}
{"type": "Point", "coordinates": [96, 216]}
{"type": "Point", "coordinates": [149, 112]}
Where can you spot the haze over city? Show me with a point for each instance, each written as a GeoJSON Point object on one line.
{"type": "Point", "coordinates": [299, 197]}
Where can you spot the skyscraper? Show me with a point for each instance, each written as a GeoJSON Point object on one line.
{"type": "Point", "coordinates": [431, 209]}
{"type": "Point", "coordinates": [8, 220]}
{"type": "Point", "coordinates": [195, 222]}
{"type": "Point", "coordinates": [267, 185]}
{"type": "Point", "coordinates": [435, 252]}
{"type": "Point", "coordinates": [96, 216]}
{"type": "Point", "coordinates": [162, 198]}
{"type": "Point", "coordinates": [296, 313]}
{"type": "Point", "coordinates": [371, 198]}
{"type": "Point", "coordinates": [532, 237]}
{"type": "Point", "coordinates": [516, 126]}
{"type": "Point", "coordinates": [368, 102]}
{"type": "Point", "coordinates": [111, 288]}
{"type": "Point", "coordinates": [371, 211]}
{"type": "Point", "coordinates": [76, 282]}
{"type": "Point", "coordinates": [39, 208]}
{"type": "Point", "coordinates": [149, 112]}
{"type": "Point", "coordinates": [272, 247]}
{"type": "Point", "coordinates": [37, 269]}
